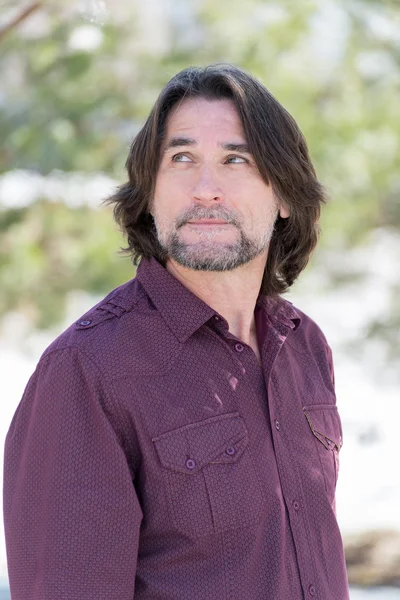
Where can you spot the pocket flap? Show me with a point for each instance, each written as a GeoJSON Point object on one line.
{"type": "Point", "coordinates": [325, 424]}
{"type": "Point", "coordinates": [220, 439]}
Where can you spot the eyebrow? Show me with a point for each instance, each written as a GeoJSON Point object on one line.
{"type": "Point", "coordinates": [185, 141]}
{"type": "Point", "coordinates": [179, 141]}
{"type": "Point", "coordinates": [236, 147]}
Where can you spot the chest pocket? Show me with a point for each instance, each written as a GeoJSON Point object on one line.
{"type": "Point", "coordinates": [209, 475]}
{"type": "Point", "coordinates": [325, 424]}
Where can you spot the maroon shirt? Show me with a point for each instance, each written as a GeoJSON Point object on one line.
{"type": "Point", "coordinates": [152, 458]}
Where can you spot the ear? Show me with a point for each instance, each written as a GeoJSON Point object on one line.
{"type": "Point", "coordinates": [284, 212]}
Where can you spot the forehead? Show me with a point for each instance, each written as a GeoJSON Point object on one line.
{"type": "Point", "coordinates": [199, 115]}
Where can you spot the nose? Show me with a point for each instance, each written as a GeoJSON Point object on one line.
{"type": "Point", "coordinates": [207, 188]}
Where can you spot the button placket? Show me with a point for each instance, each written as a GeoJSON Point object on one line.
{"type": "Point", "coordinates": [291, 487]}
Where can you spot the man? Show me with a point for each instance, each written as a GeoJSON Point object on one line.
{"type": "Point", "coordinates": [181, 439]}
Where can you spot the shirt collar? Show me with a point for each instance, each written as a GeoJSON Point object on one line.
{"type": "Point", "coordinates": [280, 309]}
{"type": "Point", "coordinates": [184, 312]}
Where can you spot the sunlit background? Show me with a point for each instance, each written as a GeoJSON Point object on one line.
{"type": "Point", "coordinates": [78, 79]}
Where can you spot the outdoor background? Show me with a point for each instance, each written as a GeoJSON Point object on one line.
{"type": "Point", "coordinates": [77, 80]}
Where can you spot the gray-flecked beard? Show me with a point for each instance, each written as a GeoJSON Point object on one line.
{"type": "Point", "coordinates": [215, 257]}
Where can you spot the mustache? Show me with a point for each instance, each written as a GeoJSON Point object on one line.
{"type": "Point", "coordinates": [204, 212]}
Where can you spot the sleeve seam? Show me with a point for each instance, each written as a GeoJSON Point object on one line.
{"type": "Point", "coordinates": [112, 400]}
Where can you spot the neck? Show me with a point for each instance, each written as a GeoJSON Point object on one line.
{"type": "Point", "coordinates": [233, 294]}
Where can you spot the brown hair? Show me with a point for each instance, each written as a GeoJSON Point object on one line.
{"type": "Point", "coordinates": [280, 152]}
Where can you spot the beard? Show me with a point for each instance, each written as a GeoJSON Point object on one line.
{"type": "Point", "coordinates": [209, 254]}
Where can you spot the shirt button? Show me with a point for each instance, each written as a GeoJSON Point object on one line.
{"type": "Point", "coordinates": [231, 450]}
{"type": "Point", "coordinates": [277, 425]}
{"type": "Point", "coordinates": [312, 590]}
{"type": "Point", "coordinates": [84, 322]}
{"type": "Point", "coordinates": [216, 318]}
{"type": "Point", "coordinates": [296, 505]}
{"type": "Point", "coordinates": [239, 347]}
{"type": "Point", "coordinates": [190, 463]}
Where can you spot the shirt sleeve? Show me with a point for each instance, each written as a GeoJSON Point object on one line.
{"type": "Point", "coordinates": [330, 362]}
{"type": "Point", "coordinates": [71, 513]}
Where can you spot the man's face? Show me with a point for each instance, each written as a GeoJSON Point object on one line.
{"type": "Point", "coordinates": [211, 207]}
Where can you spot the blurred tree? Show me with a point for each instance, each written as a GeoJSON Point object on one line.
{"type": "Point", "coordinates": [78, 80]}
{"type": "Point", "coordinates": [49, 249]}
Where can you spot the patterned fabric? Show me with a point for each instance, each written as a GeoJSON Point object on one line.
{"type": "Point", "coordinates": [152, 458]}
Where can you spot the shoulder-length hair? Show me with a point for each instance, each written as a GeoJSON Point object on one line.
{"type": "Point", "coordinates": [280, 152]}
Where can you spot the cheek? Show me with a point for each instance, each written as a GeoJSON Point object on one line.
{"type": "Point", "coordinates": [174, 178]}
{"type": "Point", "coordinates": [165, 206]}
{"type": "Point", "coordinates": [169, 188]}
{"type": "Point", "coordinates": [255, 202]}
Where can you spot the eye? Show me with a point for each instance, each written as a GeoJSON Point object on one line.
{"type": "Point", "coordinates": [181, 158]}
{"type": "Point", "coordinates": [236, 160]}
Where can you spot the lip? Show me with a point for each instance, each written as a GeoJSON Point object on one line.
{"type": "Point", "coordinates": [208, 222]}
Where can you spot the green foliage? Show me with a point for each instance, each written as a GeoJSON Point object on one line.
{"type": "Point", "coordinates": [49, 249]}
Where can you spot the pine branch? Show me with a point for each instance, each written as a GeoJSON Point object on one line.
{"type": "Point", "coordinates": [19, 18]}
